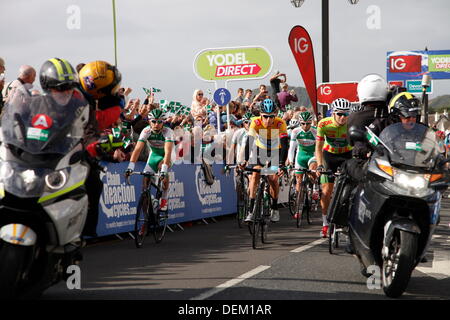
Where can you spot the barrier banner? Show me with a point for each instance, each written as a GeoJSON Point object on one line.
{"type": "Point", "coordinates": [190, 198]}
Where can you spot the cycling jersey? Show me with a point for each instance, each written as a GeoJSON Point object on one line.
{"type": "Point", "coordinates": [268, 138]}
{"type": "Point", "coordinates": [335, 136]}
{"type": "Point", "coordinates": [305, 143]}
{"type": "Point", "coordinates": [155, 141]}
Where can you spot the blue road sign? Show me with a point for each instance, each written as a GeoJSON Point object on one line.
{"type": "Point", "coordinates": [222, 96]}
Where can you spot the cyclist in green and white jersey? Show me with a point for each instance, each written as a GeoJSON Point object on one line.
{"type": "Point", "coordinates": [160, 140]}
{"type": "Point", "coordinates": [304, 140]}
{"type": "Point", "coordinates": [239, 139]}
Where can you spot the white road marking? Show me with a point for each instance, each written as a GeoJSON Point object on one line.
{"type": "Point", "coordinates": [230, 283]}
{"type": "Point", "coordinates": [309, 246]}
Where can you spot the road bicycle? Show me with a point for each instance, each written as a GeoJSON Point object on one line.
{"type": "Point", "coordinates": [242, 185]}
{"type": "Point", "coordinates": [149, 217]}
{"type": "Point", "coordinates": [302, 204]}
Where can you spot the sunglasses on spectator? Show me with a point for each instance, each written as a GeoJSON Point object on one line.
{"type": "Point", "coordinates": [342, 114]}
{"type": "Point", "coordinates": [157, 121]}
{"type": "Point", "coordinates": [267, 116]}
{"type": "Point", "coordinates": [199, 94]}
{"type": "Point", "coordinates": [304, 123]}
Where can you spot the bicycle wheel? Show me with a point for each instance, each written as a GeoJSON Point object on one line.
{"type": "Point", "coordinates": [308, 203]}
{"type": "Point", "coordinates": [292, 195]}
{"type": "Point", "coordinates": [300, 201]}
{"type": "Point", "coordinates": [333, 239]}
{"type": "Point", "coordinates": [257, 216]}
{"type": "Point", "coordinates": [242, 202]}
{"type": "Point", "coordinates": [265, 222]}
{"type": "Point", "coordinates": [141, 221]}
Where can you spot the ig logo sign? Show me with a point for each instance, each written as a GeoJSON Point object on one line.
{"type": "Point", "coordinates": [301, 45]}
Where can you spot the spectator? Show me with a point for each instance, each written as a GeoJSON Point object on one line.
{"type": "Point", "coordinates": [240, 96]}
{"type": "Point", "coordinates": [23, 83]}
{"type": "Point", "coordinates": [285, 97]}
{"type": "Point", "coordinates": [275, 82]}
{"type": "Point", "coordinates": [247, 101]}
{"type": "Point", "coordinates": [263, 94]}
{"type": "Point", "coordinates": [197, 105]}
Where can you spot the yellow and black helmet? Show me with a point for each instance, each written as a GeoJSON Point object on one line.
{"type": "Point", "coordinates": [58, 74]}
{"type": "Point", "coordinates": [100, 79]}
{"type": "Point", "coordinates": [405, 104]}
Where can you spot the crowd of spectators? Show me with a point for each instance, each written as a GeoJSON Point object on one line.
{"type": "Point", "coordinates": [204, 119]}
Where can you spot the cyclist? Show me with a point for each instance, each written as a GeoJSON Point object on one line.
{"type": "Point", "coordinates": [238, 141]}
{"type": "Point", "coordinates": [304, 138]}
{"type": "Point", "coordinates": [160, 140]}
{"type": "Point", "coordinates": [332, 149]}
{"type": "Point", "coordinates": [269, 141]}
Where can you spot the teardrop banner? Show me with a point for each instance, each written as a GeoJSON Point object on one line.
{"type": "Point", "coordinates": [302, 49]}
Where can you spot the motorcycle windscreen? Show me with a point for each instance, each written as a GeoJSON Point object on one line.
{"type": "Point", "coordinates": [42, 124]}
{"type": "Point", "coordinates": [412, 145]}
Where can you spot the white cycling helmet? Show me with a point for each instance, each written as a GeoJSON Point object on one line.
{"type": "Point", "coordinates": [340, 104]}
{"type": "Point", "coordinates": [372, 87]}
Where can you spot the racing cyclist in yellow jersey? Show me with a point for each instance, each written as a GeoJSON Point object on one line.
{"type": "Point", "coordinates": [332, 149]}
{"type": "Point", "coordinates": [268, 141]}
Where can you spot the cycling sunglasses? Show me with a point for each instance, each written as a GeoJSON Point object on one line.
{"type": "Point", "coordinates": [154, 121]}
{"type": "Point", "coordinates": [342, 114]}
{"type": "Point", "coordinates": [267, 116]}
{"type": "Point", "coordinates": [304, 123]}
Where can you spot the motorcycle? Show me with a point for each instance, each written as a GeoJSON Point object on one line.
{"type": "Point", "coordinates": [43, 200]}
{"type": "Point", "coordinates": [394, 212]}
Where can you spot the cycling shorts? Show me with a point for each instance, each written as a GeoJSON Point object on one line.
{"type": "Point", "coordinates": [332, 162]}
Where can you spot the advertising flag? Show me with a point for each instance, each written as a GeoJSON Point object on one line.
{"type": "Point", "coordinates": [302, 49]}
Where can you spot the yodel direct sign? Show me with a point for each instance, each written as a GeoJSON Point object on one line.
{"type": "Point", "coordinates": [240, 63]}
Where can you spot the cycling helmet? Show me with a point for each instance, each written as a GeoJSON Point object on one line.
{"type": "Point", "coordinates": [293, 123]}
{"type": "Point", "coordinates": [100, 79]}
{"type": "Point", "coordinates": [267, 106]}
{"type": "Point", "coordinates": [156, 114]}
{"type": "Point", "coordinates": [58, 74]}
{"type": "Point", "coordinates": [340, 104]}
{"type": "Point", "coordinates": [305, 116]}
{"type": "Point", "coordinates": [405, 105]}
{"type": "Point", "coordinates": [372, 87]}
{"type": "Point", "coordinates": [248, 116]}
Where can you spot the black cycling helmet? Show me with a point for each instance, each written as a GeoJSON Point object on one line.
{"type": "Point", "coordinates": [58, 74]}
{"type": "Point", "coordinates": [405, 105]}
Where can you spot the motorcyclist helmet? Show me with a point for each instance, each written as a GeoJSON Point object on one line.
{"type": "Point", "coordinates": [372, 88]}
{"type": "Point", "coordinates": [58, 74]}
{"type": "Point", "coordinates": [340, 105]}
{"type": "Point", "coordinates": [100, 79]}
{"type": "Point", "coordinates": [405, 105]}
{"type": "Point", "coordinates": [268, 106]}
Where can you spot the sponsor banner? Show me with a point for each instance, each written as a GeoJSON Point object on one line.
{"type": "Point", "coordinates": [241, 63]}
{"type": "Point", "coordinates": [190, 198]}
{"type": "Point", "coordinates": [302, 49]}
{"type": "Point", "coordinates": [328, 92]}
{"type": "Point", "coordinates": [412, 65]}
{"type": "Point", "coordinates": [415, 86]}
{"type": "Point", "coordinates": [397, 83]}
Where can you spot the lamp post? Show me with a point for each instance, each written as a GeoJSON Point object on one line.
{"type": "Point", "coordinates": [325, 38]}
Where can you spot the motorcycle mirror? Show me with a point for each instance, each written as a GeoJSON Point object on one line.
{"type": "Point", "coordinates": [356, 134]}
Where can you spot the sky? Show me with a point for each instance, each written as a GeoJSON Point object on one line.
{"type": "Point", "coordinates": [158, 40]}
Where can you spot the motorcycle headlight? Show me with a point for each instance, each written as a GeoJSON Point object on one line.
{"type": "Point", "coordinates": [409, 181]}
{"type": "Point", "coordinates": [56, 180]}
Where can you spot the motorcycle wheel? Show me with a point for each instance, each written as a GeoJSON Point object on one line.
{"type": "Point", "coordinates": [13, 258]}
{"type": "Point", "coordinates": [398, 266]}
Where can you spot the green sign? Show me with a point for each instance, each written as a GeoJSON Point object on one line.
{"type": "Point", "coordinates": [415, 86]}
{"type": "Point", "coordinates": [232, 63]}
{"type": "Point", "coordinates": [439, 63]}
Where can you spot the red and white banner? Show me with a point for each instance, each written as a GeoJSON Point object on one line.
{"type": "Point", "coordinates": [302, 49]}
{"type": "Point", "coordinates": [330, 91]}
